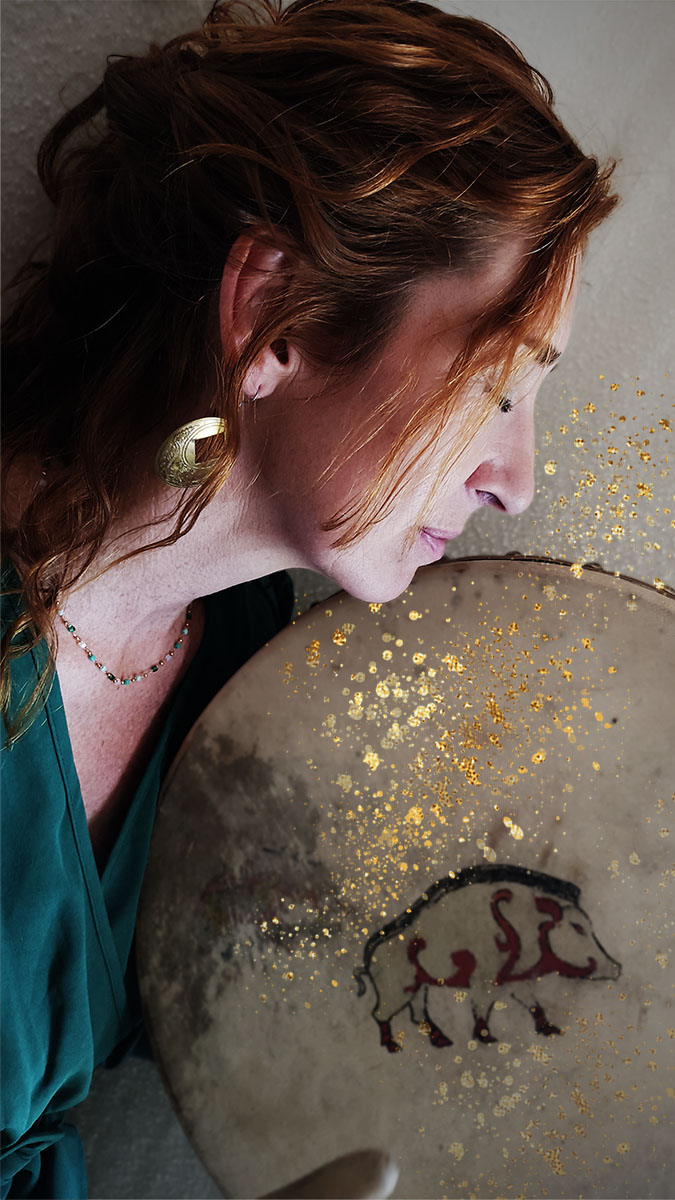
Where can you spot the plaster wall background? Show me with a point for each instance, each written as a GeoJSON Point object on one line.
{"type": "Point", "coordinates": [610, 64]}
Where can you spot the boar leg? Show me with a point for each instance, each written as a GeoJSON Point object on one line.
{"type": "Point", "coordinates": [481, 1028]}
{"type": "Point", "coordinates": [419, 1013]}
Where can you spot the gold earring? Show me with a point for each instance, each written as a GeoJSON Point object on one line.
{"type": "Point", "coordinates": [176, 462]}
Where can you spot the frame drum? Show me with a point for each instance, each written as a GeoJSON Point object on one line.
{"type": "Point", "coordinates": [411, 887]}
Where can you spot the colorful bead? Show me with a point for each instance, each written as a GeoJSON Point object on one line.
{"type": "Point", "coordinates": [134, 678]}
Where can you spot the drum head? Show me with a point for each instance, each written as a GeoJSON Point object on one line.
{"type": "Point", "coordinates": [411, 887]}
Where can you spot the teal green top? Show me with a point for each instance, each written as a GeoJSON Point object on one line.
{"type": "Point", "coordinates": [69, 995]}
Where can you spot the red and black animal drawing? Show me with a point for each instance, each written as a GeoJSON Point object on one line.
{"type": "Point", "coordinates": [489, 927]}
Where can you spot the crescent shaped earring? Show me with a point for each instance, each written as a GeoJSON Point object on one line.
{"type": "Point", "coordinates": [176, 460]}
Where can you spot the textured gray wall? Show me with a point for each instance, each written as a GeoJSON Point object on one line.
{"type": "Point", "coordinates": [610, 64]}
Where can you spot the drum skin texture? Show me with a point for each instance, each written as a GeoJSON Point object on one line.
{"type": "Point", "coordinates": [411, 890]}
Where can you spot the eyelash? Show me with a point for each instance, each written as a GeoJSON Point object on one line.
{"type": "Point", "coordinates": [505, 405]}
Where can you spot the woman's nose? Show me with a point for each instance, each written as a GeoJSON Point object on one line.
{"type": "Point", "coordinates": [505, 476]}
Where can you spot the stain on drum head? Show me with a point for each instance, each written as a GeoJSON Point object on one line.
{"type": "Point", "coordinates": [410, 886]}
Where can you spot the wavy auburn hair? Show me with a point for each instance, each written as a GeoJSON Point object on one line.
{"type": "Point", "coordinates": [375, 141]}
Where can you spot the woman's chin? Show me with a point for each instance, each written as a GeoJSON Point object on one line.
{"type": "Point", "coordinates": [378, 589]}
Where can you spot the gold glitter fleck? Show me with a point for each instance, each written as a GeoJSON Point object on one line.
{"type": "Point", "coordinates": [312, 651]}
{"type": "Point", "coordinates": [581, 1102]}
{"type": "Point", "coordinates": [551, 466]}
{"type": "Point", "coordinates": [539, 756]}
{"type": "Point", "coordinates": [634, 859]}
{"type": "Point", "coordinates": [334, 983]}
{"type": "Point", "coordinates": [624, 1147]}
{"type": "Point", "coordinates": [467, 1080]}
{"type": "Point", "coordinates": [457, 1150]}
{"type": "Point", "coordinates": [553, 1159]}
{"type": "Point", "coordinates": [345, 782]}
{"type": "Point", "coordinates": [539, 1054]}
{"type": "Point", "coordinates": [418, 658]}
{"type": "Point", "coordinates": [372, 760]}
{"type": "Point", "coordinates": [339, 638]}
{"type": "Point", "coordinates": [661, 959]}
{"type": "Point", "coordinates": [375, 607]}
{"type": "Point", "coordinates": [454, 664]}
{"type": "Point", "coordinates": [382, 689]}
{"type": "Point", "coordinates": [413, 615]}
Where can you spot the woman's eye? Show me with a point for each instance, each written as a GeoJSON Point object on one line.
{"type": "Point", "coordinates": [505, 404]}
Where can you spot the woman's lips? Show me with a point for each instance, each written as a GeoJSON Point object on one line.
{"type": "Point", "coordinates": [436, 539]}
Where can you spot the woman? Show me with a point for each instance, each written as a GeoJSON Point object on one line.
{"type": "Point", "coordinates": [305, 277]}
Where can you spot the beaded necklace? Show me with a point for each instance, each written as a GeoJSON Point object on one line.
{"type": "Point", "coordinates": [134, 676]}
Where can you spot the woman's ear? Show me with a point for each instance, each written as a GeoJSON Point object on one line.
{"type": "Point", "coordinates": [254, 271]}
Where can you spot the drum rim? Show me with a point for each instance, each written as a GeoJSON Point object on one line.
{"type": "Point", "coordinates": [594, 568]}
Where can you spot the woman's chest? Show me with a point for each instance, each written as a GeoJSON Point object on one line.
{"type": "Point", "coordinates": [114, 732]}
{"type": "Point", "coordinates": [111, 747]}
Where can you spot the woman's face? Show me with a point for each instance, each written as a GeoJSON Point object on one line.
{"type": "Point", "coordinates": [298, 436]}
